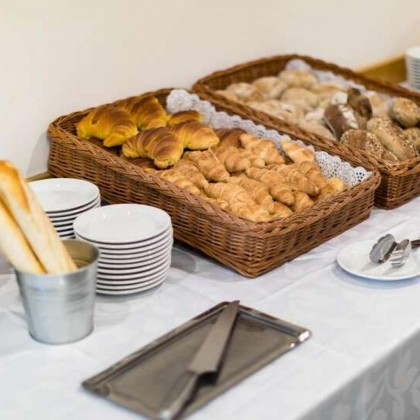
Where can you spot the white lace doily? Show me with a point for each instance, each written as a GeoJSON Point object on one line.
{"type": "Point", "coordinates": [331, 166]}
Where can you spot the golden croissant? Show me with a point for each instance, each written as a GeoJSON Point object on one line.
{"type": "Point", "coordinates": [184, 116]}
{"type": "Point", "coordinates": [146, 112]}
{"type": "Point", "coordinates": [158, 144]}
{"type": "Point", "coordinates": [108, 123]}
{"type": "Point", "coordinates": [195, 135]}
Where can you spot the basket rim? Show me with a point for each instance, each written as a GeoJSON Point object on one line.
{"type": "Point", "coordinates": [57, 133]}
{"type": "Point", "coordinates": [402, 168]}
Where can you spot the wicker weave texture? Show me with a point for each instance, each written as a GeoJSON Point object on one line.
{"type": "Point", "coordinates": [400, 181]}
{"type": "Point", "coordinates": [249, 248]}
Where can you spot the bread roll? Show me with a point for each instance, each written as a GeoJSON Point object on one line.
{"type": "Point", "coordinates": [392, 137]}
{"type": "Point", "coordinates": [301, 97]}
{"type": "Point", "coordinates": [271, 87]}
{"type": "Point", "coordinates": [298, 78]}
{"type": "Point", "coordinates": [245, 92]}
{"type": "Point", "coordinates": [406, 112]}
{"type": "Point", "coordinates": [340, 118]}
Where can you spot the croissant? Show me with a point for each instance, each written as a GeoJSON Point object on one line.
{"type": "Point", "coordinates": [180, 180]}
{"type": "Point", "coordinates": [299, 182]}
{"type": "Point", "coordinates": [183, 116]}
{"type": "Point", "coordinates": [229, 137]}
{"type": "Point", "coordinates": [158, 144]}
{"type": "Point", "coordinates": [261, 148]}
{"type": "Point", "coordinates": [209, 165]}
{"type": "Point", "coordinates": [233, 159]}
{"type": "Point", "coordinates": [276, 183]}
{"type": "Point", "coordinates": [313, 173]}
{"type": "Point", "coordinates": [190, 170]}
{"type": "Point", "coordinates": [146, 112]}
{"type": "Point", "coordinates": [297, 153]}
{"type": "Point", "coordinates": [257, 190]}
{"type": "Point", "coordinates": [281, 211]}
{"type": "Point", "coordinates": [302, 201]}
{"type": "Point", "coordinates": [107, 123]}
{"type": "Point", "coordinates": [239, 201]}
{"type": "Point", "coordinates": [195, 135]}
{"type": "Point", "coordinates": [334, 186]}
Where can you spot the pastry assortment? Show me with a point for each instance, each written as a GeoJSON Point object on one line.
{"type": "Point", "coordinates": [144, 129]}
{"type": "Point", "coordinates": [388, 129]}
{"type": "Point", "coordinates": [244, 175]}
{"type": "Point", "coordinates": [27, 237]}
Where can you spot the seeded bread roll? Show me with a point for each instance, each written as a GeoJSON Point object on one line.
{"type": "Point", "coordinates": [413, 136]}
{"type": "Point", "coordinates": [340, 118]}
{"type": "Point", "coordinates": [392, 137]}
{"type": "Point", "coordinates": [363, 140]}
{"type": "Point", "coordinates": [271, 87]}
{"type": "Point", "coordinates": [406, 112]}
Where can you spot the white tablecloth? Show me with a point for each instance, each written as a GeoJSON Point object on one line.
{"type": "Point", "coordinates": [362, 362]}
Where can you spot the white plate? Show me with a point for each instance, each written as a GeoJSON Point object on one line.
{"type": "Point", "coordinates": [122, 223]}
{"type": "Point", "coordinates": [139, 262]}
{"type": "Point", "coordinates": [129, 291]}
{"type": "Point", "coordinates": [71, 216]}
{"type": "Point", "coordinates": [132, 245]}
{"type": "Point", "coordinates": [165, 242]}
{"type": "Point", "coordinates": [66, 237]}
{"type": "Point", "coordinates": [112, 261]}
{"type": "Point", "coordinates": [63, 194]}
{"type": "Point", "coordinates": [354, 258]}
{"type": "Point", "coordinates": [65, 231]}
{"type": "Point", "coordinates": [118, 285]}
{"type": "Point", "coordinates": [136, 269]}
{"type": "Point", "coordinates": [141, 275]}
{"type": "Point", "coordinates": [139, 282]}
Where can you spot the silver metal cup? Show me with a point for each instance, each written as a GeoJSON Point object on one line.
{"type": "Point", "coordinates": [59, 307]}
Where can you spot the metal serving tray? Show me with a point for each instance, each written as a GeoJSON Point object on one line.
{"type": "Point", "coordinates": [141, 381]}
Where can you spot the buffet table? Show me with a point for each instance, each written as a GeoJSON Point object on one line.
{"type": "Point", "coordinates": [362, 362]}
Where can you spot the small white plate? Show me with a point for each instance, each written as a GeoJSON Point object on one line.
{"type": "Point", "coordinates": [354, 258]}
{"type": "Point", "coordinates": [136, 269]}
{"type": "Point", "coordinates": [135, 263]}
{"type": "Point", "coordinates": [71, 216]}
{"type": "Point", "coordinates": [122, 223]}
{"type": "Point", "coordinates": [130, 253]}
{"type": "Point", "coordinates": [65, 231]}
{"type": "Point", "coordinates": [132, 285]}
{"type": "Point", "coordinates": [128, 291]}
{"type": "Point", "coordinates": [132, 245]}
{"type": "Point", "coordinates": [63, 194]}
{"type": "Point", "coordinates": [154, 277]}
{"type": "Point", "coordinates": [111, 261]}
{"type": "Point", "coordinates": [141, 275]}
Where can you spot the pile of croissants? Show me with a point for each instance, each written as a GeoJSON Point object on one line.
{"type": "Point", "coordinates": [240, 173]}
{"type": "Point", "coordinates": [386, 129]}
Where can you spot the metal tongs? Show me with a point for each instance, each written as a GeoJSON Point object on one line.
{"type": "Point", "coordinates": [387, 248]}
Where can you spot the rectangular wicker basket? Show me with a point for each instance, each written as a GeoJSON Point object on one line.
{"type": "Point", "coordinates": [399, 182]}
{"type": "Point", "coordinates": [248, 247]}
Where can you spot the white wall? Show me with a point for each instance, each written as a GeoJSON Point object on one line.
{"type": "Point", "coordinates": [59, 56]}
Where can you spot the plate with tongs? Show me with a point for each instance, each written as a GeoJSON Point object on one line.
{"type": "Point", "coordinates": [186, 368]}
{"type": "Point", "coordinates": [385, 259]}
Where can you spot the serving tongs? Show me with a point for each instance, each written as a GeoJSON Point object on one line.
{"type": "Point", "coordinates": [387, 248]}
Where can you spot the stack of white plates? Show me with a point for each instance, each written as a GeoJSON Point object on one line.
{"type": "Point", "coordinates": [412, 60]}
{"type": "Point", "coordinates": [135, 242]}
{"type": "Point", "coordinates": [63, 199]}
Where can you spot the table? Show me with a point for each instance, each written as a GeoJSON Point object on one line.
{"type": "Point", "coordinates": [362, 362]}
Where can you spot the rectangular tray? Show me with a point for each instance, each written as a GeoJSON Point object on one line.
{"type": "Point", "coordinates": [400, 182]}
{"type": "Point", "coordinates": [141, 381]}
{"type": "Point", "coordinates": [250, 248]}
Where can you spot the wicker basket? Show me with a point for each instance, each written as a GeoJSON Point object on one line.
{"type": "Point", "coordinates": [400, 182]}
{"type": "Point", "coordinates": [248, 247]}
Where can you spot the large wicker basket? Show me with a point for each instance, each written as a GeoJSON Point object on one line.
{"type": "Point", "coordinates": [248, 247]}
{"type": "Point", "coordinates": [399, 182]}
